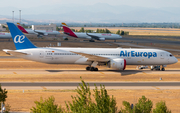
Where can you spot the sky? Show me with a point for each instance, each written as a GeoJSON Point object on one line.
{"type": "Point", "coordinates": [142, 3]}
{"type": "Point", "coordinates": [82, 10]}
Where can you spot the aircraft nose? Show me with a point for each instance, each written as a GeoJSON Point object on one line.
{"type": "Point", "coordinates": [176, 60]}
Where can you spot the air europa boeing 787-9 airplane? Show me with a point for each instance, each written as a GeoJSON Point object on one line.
{"type": "Point", "coordinates": [116, 58]}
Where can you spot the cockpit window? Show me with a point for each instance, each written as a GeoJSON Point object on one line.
{"type": "Point", "coordinates": [170, 55]}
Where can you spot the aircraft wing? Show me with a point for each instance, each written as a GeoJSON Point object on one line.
{"type": "Point", "coordinates": [40, 33]}
{"type": "Point", "coordinates": [15, 53]}
{"type": "Point", "coordinates": [92, 57]}
{"type": "Point", "coordinates": [93, 37]}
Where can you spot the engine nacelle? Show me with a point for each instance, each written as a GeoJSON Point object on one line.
{"type": "Point", "coordinates": [118, 64]}
{"type": "Point", "coordinates": [102, 39]}
{"type": "Point", "coordinates": [88, 37]}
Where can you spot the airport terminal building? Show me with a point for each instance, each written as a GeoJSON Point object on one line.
{"type": "Point", "coordinates": [1, 28]}
{"type": "Point", "coordinates": [50, 27]}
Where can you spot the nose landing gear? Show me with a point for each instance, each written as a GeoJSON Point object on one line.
{"type": "Point", "coordinates": [158, 68]}
{"type": "Point", "coordinates": [162, 69]}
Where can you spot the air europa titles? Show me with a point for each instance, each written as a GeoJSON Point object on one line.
{"type": "Point", "coordinates": [137, 54]}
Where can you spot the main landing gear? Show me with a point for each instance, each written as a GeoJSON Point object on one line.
{"type": "Point", "coordinates": [91, 41]}
{"type": "Point", "coordinates": [91, 68]}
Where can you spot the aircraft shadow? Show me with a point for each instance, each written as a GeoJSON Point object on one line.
{"type": "Point", "coordinates": [122, 72]}
{"type": "Point", "coordinates": [126, 72]}
{"type": "Point", "coordinates": [54, 71]}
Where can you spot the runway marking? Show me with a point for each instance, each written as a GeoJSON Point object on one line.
{"type": "Point", "coordinates": [101, 72]}
{"type": "Point", "coordinates": [144, 73]}
{"type": "Point", "coordinates": [156, 87]}
{"type": "Point", "coordinates": [43, 87]}
{"type": "Point", "coordinates": [14, 72]}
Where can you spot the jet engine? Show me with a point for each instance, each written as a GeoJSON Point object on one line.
{"type": "Point", "coordinates": [118, 64]}
{"type": "Point", "coordinates": [88, 37]}
{"type": "Point", "coordinates": [102, 39]}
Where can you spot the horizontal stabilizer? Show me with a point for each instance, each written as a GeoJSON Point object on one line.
{"type": "Point", "coordinates": [14, 53]}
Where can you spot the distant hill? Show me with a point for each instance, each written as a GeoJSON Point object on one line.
{"type": "Point", "coordinates": [99, 13]}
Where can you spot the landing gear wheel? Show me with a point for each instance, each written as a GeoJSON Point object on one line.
{"type": "Point", "coordinates": [91, 41]}
{"type": "Point", "coordinates": [87, 68]}
{"type": "Point", "coordinates": [95, 69]}
{"type": "Point", "coordinates": [163, 69]}
{"type": "Point", "coordinates": [92, 69]}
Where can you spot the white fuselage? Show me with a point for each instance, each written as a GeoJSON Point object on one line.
{"type": "Point", "coordinates": [44, 32]}
{"type": "Point", "coordinates": [5, 35]}
{"type": "Point", "coordinates": [132, 56]}
{"type": "Point", "coordinates": [101, 35]}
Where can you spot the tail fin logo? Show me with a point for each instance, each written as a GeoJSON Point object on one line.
{"type": "Point", "coordinates": [19, 39]}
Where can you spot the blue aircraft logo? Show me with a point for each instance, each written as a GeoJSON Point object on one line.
{"type": "Point", "coordinates": [137, 54]}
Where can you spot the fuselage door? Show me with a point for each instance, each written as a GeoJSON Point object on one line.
{"type": "Point", "coordinates": [162, 55]}
{"type": "Point", "coordinates": [41, 54]}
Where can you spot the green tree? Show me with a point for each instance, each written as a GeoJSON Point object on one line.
{"type": "Point", "coordinates": [82, 102]}
{"type": "Point", "coordinates": [144, 105]}
{"type": "Point", "coordinates": [97, 31]}
{"type": "Point", "coordinates": [89, 31]}
{"type": "Point", "coordinates": [128, 108]}
{"type": "Point", "coordinates": [7, 29]}
{"type": "Point", "coordinates": [73, 30]}
{"type": "Point", "coordinates": [122, 32]}
{"type": "Point", "coordinates": [3, 94]}
{"type": "Point", "coordinates": [4, 26]}
{"type": "Point", "coordinates": [58, 28]}
{"type": "Point", "coordinates": [107, 31]}
{"type": "Point", "coordinates": [161, 108]}
{"type": "Point", "coordinates": [81, 30]}
{"type": "Point", "coordinates": [46, 106]}
{"type": "Point", "coordinates": [118, 32]}
{"type": "Point", "coordinates": [8, 108]}
{"type": "Point", "coordinates": [103, 31]}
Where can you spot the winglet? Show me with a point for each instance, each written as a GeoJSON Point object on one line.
{"type": "Point", "coordinates": [20, 40]}
{"type": "Point", "coordinates": [68, 31]}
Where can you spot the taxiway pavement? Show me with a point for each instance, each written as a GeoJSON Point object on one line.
{"type": "Point", "coordinates": [81, 71]}
{"type": "Point", "coordinates": [74, 85]}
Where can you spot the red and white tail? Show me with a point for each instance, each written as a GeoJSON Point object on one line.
{"type": "Point", "coordinates": [21, 28]}
{"type": "Point", "coordinates": [68, 31]}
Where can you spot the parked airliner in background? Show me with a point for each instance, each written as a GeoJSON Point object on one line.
{"type": "Point", "coordinates": [90, 36]}
{"type": "Point", "coordinates": [116, 58]}
{"type": "Point", "coordinates": [39, 33]}
{"type": "Point", "coordinates": [5, 36]}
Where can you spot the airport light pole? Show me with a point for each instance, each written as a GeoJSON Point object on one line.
{"type": "Point", "coordinates": [13, 16]}
{"type": "Point", "coordinates": [19, 16]}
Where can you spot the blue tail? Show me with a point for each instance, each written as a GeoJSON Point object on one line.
{"type": "Point", "coordinates": [20, 40]}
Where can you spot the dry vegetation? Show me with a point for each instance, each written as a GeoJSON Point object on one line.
{"type": "Point", "coordinates": [20, 101]}
{"type": "Point", "coordinates": [140, 31]}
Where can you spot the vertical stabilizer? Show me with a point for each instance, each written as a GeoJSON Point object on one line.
{"type": "Point", "coordinates": [68, 31]}
{"type": "Point", "coordinates": [22, 29]}
{"type": "Point", "coordinates": [20, 40]}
